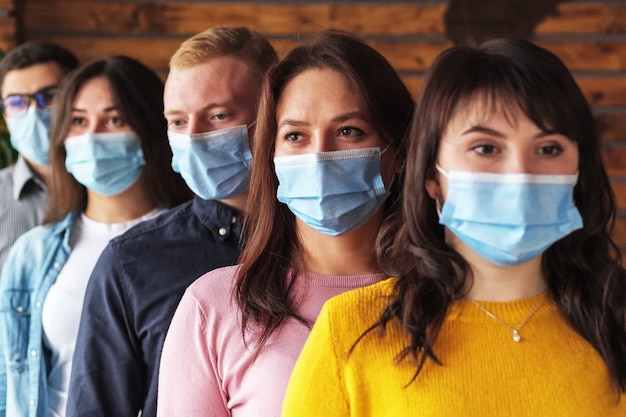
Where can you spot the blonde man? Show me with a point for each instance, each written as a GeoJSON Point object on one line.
{"type": "Point", "coordinates": [210, 103]}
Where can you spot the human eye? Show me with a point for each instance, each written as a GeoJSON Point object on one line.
{"type": "Point", "coordinates": [485, 149]}
{"type": "Point", "coordinates": [78, 121]}
{"type": "Point", "coordinates": [550, 150]}
{"type": "Point", "coordinates": [15, 104]}
{"type": "Point", "coordinates": [293, 137]}
{"type": "Point", "coordinates": [176, 122]}
{"type": "Point", "coordinates": [220, 116]}
{"type": "Point", "coordinates": [46, 97]}
{"type": "Point", "coordinates": [116, 120]}
{"type": "Point", "coordinates": [350, 131]}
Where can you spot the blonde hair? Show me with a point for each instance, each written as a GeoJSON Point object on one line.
{"type": "Point", "coordinates": [247, 44]}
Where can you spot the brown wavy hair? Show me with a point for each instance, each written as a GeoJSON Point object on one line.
{"type": "Point", "coordinates": [583, 271]}
{"type": "Point", "coordinates": [272, 256]}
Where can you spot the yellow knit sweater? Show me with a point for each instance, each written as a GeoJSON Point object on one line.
{"type": "Point", "coordinates": [551, 372]}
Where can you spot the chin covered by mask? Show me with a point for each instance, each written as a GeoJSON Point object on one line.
{"type": "Point", "coordinates": [215, 165]}
{"type": "Point", "coordinates": [509, 219]}
{"type": "Point", "coordinates": [332, 192]}
{"type": "Point", "coordinates": [30, 134]}
{"type": "Point", "coordinates": [107, 163]}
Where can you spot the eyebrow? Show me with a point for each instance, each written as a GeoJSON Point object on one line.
{"type": "Point", "coordinates": [41, 90]}
{"type": "Point", "coordinates": [105, 110]}
{"type": "Point", "coordinates": [207, 107]}
{"type": "Point", "coordinates": [340, 118]}
{"type": "Point", "coordinates": [492, 132]}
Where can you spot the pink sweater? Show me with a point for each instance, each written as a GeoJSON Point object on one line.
{"type": "Point", "coordinates": [207, 370]}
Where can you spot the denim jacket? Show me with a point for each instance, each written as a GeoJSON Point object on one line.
{"type": "Point", "coordinates": [31, 268]}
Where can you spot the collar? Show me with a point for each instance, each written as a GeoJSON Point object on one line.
{"type": "Point", "coordinates": [22, 175]}
{"type": "Point", "coordinates": [218, 217]}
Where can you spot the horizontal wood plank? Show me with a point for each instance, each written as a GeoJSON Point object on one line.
{"type": "Point", "coordinates": [619, 188]}
{"type": "Point", "coordinates": [611, 126]}
{"type": "Point", "coordinates": [6, 4]}
{"type": "Point", "coordinates": [8, 31]}
{"type": "Point", "coordinates": [585, 18]}
{"type": "Point", "coordinates": [614, 161]}
{"type": "Point", "coordinates": [276, 19]}
{"type": "Point", "coordinates": [415, 56]}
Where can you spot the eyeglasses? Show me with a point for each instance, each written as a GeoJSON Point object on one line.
{"type": "Point", "coordinates": [18, 104]}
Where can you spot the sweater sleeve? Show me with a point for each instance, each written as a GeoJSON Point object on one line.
{"type": "Point", "coordinates": [316, 387]}
{"type": "Point", "coordinates": [106, 377]}
{"type": "Point", "coordinates": [189, 384]}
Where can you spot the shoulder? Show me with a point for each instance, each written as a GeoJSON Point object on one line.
{"type": "Point", "coordinates": [6, 182]}
{"type": "Point", "coordinates": [6, 173]}
{"type": "Point", "coordinates": [356, 310]}
{"type": "Point", "coordinates": [214, 285]}
{"type": "Point", "coordinates": [164, 223]}
{"type": "Point", "coordinates": [364, 298]}
{"type": "Point", "coordinates": [211, 297]}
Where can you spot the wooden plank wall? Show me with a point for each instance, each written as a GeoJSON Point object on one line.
{"type": "Point", "coordinates": [590, 37]}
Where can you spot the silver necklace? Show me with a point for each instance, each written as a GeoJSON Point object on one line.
{"type": "Point", "coordinates": [514, 330]}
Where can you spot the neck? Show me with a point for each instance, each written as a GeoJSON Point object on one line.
{"type": "Point", "coordinates": [128, 205]}
{"type": "Point", "coordinates": [43, 172]}
{"type": "Point", "coordinates": [348, 254]}
{"type": "Point", "coordinates": [237, 202]}
{"type": "Point", "coordinates": [491, 282]}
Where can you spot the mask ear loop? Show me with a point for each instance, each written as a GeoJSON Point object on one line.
{"type": "Point", "coordinates": [438, 203]}
{"type": "Point", "coordinates": [438, 206]}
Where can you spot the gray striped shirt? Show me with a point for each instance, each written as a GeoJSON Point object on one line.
{"type": "Point", "coordinates": [22, 204]}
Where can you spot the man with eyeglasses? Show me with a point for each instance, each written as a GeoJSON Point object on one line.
{"type": "Point", "coordinates": [30, 75]}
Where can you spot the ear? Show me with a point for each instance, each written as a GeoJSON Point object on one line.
{"type": "Point", "coordinates": [433, 187]}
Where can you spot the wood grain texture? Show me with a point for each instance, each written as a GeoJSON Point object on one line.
{"type": "Point", "coordinates": [178, 18]}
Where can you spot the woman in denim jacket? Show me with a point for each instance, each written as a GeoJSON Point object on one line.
{"type": "Point", "coordinates": [111, 169]}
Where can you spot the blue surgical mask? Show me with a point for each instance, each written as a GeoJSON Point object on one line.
{"type": "Point", "coordinates": [30, 134]}
{"type": "Point", "coordinates": [215, 165]}
{"type": "Point", "coordinates": [333, 192]}
{"type": "Point", "coordinates": [509, 219]}
{"type": "Point", "coordinates": [107, 163]}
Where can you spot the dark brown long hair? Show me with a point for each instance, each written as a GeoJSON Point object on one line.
{"type": "Point", "coordinates": [138, 92]}
{"type": "Point", "coordinates": [583, 269]}
{"type": "Point", "coordinates": [272, 248]}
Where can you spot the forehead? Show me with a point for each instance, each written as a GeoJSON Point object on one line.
{"type": "Point", "coordinates": [217, 80]}
{"type": "Point", "coordinates": [31, 79]}
{"type": "Point", "coordinates": [319, 90]}
{"type": "Point", "coordinates": [94, 92]}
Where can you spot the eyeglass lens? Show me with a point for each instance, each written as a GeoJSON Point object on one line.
{"type": "Point", "coordinates": [19, 103]}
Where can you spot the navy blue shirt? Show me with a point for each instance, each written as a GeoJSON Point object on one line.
{"type": "Point", "coordinates": [131, 297]}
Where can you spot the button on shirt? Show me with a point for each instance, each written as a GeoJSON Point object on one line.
{"type": "Point", "coordinates": [22, 204]}
{"type": "Point", "coordinates": [131, 298]}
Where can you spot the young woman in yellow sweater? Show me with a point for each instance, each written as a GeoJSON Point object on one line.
{"type": "Point", "coordinates": [510, 297]}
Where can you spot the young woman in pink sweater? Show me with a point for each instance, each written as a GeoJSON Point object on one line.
{"type": "Point", "coordinates": [328, 156]}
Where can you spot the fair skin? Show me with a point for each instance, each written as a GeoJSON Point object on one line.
{"type": "Point", "coordinates": [31, 80]}
{"type": "Point", "coordinates": [486, 141]}
{"type": "Point", "coordinates": [216, 94]}
{"type": "Point", "coordinates": [320, 111]}
{"type": "Point", "coordinates": [95, 111]}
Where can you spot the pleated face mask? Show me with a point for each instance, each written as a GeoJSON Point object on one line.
{"type": "Point", "coordinates": [30, 134]}
{"type": "Point", "coordinates": [107, 163]}
{"type": "Point", "coordinates": [333, 192]}
{"type": "Point", "coordinates": [509, 219]}
{"type": "Point", "coordinates": [215, 165]}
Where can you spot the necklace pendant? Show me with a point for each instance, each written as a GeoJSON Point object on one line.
{"type": "Point", "coordinates": [516, 336]}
